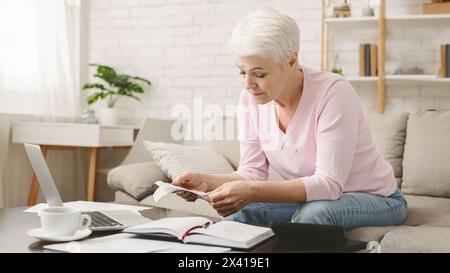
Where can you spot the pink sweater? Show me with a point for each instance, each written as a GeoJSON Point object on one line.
{"type": "Point", "coordinates": [328, 143]}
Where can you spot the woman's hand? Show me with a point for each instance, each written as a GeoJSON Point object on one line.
{"type": "Point", "coordinates": [231, 197]}
{"type": "Point", "coordinates": [192, 181]}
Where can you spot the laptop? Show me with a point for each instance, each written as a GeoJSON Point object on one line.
{"type": "Point", "coordinates": [101, 220]}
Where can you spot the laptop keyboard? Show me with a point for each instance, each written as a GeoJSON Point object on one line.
{"type": "Point", "coordinates": [101, 220]}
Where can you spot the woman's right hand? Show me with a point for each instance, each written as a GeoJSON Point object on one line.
{"type": "Point", "coordinates": [192, 181]}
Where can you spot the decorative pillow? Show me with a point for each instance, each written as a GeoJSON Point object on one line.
{"type": "Point", "coordinates": [427, 155]}
{"type": "Point", "coordinates": [175, 159]}
{"type": "Point", "coordinates": [136, 179]}
{"type": "Point", "coordinates": [389, 133]}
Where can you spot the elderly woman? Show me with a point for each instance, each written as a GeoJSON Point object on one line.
{"type": "Point", "coordinates": [317, 139]}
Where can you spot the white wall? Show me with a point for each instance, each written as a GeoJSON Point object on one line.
{"type": "Point", "coordinates": [179, 46]}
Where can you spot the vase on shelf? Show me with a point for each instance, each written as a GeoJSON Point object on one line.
{"type": "Point", "coordinates": [375, 5]}
{"type": "Point", "coordinates": [88, 116]}
{"type": "Point", "coordinates": [368, 10]}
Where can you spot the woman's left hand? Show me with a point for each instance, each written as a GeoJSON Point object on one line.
{"type": "Point", "coordinates": [230, 197]}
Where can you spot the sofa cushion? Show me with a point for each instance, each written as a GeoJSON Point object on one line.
{"type": "Point", "coordinates": [226, 143]}
{"type": "Point", "coordinates": [228, 148]}
{"type": "Point", "coordinates": [417, 240]}
{"type": "Point", "coordinates": [389, 132]}
{"type": "Point", "coordinates": [175, 159]}
{"type": "Point", "coordinates": [427, 155]}
{"type": "Point", "coordinates": [367, 234]}
{"type": "Point", "coordinates": [136, 179]}
{"type": "Point", "coordinates": [423, 210]}
{"type": "Point", "coordinates": [225, 139]}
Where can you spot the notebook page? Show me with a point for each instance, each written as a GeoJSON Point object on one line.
{"type": "Point", "coordinates": [235, 231]}
{"type": "Point", "coordinates": [176, 226]}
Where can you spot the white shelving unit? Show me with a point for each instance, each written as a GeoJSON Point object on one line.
{"type": "Point", "coordinates": [382, 24]}
{"type": "Point", "coordinates": [415, 79]}
{"type": "Point", "coordinates": [403, 80]}
{"type": "Point", "coordinates": [419, 20]}
{"type": "Point", "coordinates": [362, 79]}
{"type": "Point", "coordinates": [360, 22]}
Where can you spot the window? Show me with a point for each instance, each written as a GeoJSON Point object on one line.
{"type": "Point", "coordinates": [39, 57]}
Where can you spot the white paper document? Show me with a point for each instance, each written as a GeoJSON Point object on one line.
{"type": "Point", "coordinates": [128, 243]}
{"type": "Point", "coordinates": [117, 243]}
{"type": "Point", "coordinates": [89, 206]}
{"type": "Point", "coordinates": [167, 188]}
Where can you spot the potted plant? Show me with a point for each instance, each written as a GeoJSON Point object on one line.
{"type": "Point", "coordinates": [118, 85]}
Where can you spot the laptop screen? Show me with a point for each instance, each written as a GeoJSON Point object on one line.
{"type": "Point", "coordinates": [43, 175]}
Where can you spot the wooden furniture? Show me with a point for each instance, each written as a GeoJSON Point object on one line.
{"type": "Point", "coordinates": [382, 23]}
{"type": "Point", "coordinates": [69, 136]}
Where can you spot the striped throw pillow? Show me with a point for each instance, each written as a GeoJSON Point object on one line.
{"type": "Point", "coordinates": [175, 159]}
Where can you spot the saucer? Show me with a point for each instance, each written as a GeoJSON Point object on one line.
{"type": "Point", "coordinates": [40, 234]}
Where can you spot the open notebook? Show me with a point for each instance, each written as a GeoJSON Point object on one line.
{"type": "Point", "coordinates": [200, 230]}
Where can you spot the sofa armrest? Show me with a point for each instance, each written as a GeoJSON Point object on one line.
{"type": "Point", "coordinates": [136, 179]}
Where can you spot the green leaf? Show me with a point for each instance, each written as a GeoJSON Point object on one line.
{"type": "Point", "coordinates": [106, 73]}
{"type": "Point", "coordinates": [119, 84]}
{"type": "Point", "coordinates": [141, 79]}
{"type": "Point", "coordinates": [94, 86]}
{"type": "Point", "coordinates": [95, 97]}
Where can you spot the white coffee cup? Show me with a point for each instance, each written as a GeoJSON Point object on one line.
{"type": "Point", "coordinates": [63, 221]}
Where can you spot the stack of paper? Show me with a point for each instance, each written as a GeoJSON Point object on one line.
{"type": "Point", "coordinates": [128, 243]}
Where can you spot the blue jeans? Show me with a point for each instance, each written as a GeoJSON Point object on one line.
{"type": "Point", "coordinates": [351, 210]}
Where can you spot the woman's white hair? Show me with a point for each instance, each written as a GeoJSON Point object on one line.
{"type": "Point", "coordinates": [266, 33]}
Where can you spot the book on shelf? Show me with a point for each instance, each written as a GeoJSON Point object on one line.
{"type": "Point", "coordinates": [368, 60]}
{"type": "Point", "coordinates": [373, 60]}
{"type": "Point", "coordinates": [445, 61]}
{"type": "Point", "coordinates": [201, 230]}
{"type": "Point", "coordinates": [361, 61]}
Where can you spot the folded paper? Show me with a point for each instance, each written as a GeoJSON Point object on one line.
{"type": "Point", "coordinates": [167, 188]}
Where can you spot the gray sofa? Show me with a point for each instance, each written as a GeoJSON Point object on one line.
{"type": "Point", "coordinates": [418, 148]}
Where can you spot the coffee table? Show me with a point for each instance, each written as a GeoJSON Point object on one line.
{"type": "Point", "coordinates": [14, 225]}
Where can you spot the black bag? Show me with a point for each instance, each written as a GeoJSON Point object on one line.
{"type": "Point", "coordinates": [308, 237]}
